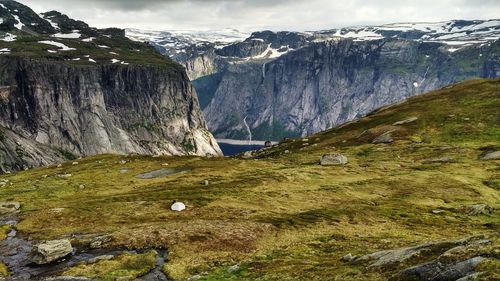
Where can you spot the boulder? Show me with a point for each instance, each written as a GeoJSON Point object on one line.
{"type": "Point", "coordinates": [383, 138]}
{"type": "Point", "coordinates": [406, 121]}
{"type": "Point", "coordinates": [436, 271]}
{"type": "Point", "coordinates": [178, 207]}
{"type": "Point", "coordinates": [479, 209]}
{"type": "Point", "coordinates": [495, 155]}
{"type": "Point", "coordinates": [390, 258]}
{"type": "Point", "coordinates": [348, 258]}
{"type": "Point", "coordinates": [333, 160]}
{"type": "Point", "coordinates": [50, 251]}
{"type": "Point", "coordinates": [9, 207]}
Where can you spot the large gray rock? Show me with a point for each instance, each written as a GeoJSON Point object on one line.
{"type": "Point", "coordinates": [333, 160]}
{"type": "Point", "coordinates": [50, 251]}
{"type": "Point", "coordinates": [436, 271]}
{"type": "Point", "coordinates": [390, 258]}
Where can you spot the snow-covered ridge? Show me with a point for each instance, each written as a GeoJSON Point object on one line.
{"type": "Point", "coordinates": [456, 34]}
{"type": "Point", "coordinates": [181, 39]}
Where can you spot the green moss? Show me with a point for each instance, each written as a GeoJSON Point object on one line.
{"type": "Point", "coordinates": [123, 267]}
{"type": "Point", "coordinates": [283, 216]}
{"type": "Point", "coordinates": [4, 230]}
{"type": "Point", "coordinates": [4, 270]}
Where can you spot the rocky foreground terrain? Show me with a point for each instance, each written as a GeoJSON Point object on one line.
{"type": "Point", "coordinates": [287, 84]}
{"type": "Point", "coordinates": [410, 192]}
{"type": "Point", "coordinates": [69, 90]}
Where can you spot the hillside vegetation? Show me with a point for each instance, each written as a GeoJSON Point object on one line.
{"type": "Point", "coordinates": [277, 214]}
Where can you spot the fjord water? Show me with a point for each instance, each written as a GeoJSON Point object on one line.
{"type": "Point", "coordinates": [233, 147]}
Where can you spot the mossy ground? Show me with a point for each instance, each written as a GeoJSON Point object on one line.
{"type": "Point", "coordinates": [4, 270]}
{"type": "Point", "coordinates": [4, 230]}
{"type": "Point", "coordinates": [123, 267]}
{"type": "Point", "coordinates": [283, 216]}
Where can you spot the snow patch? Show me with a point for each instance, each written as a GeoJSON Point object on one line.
{"type": "Point", "coordinates": [5, 51]}
{"type": "Point", "coordinates": [90, 39]}
{"type": "Point", "coordinates": [74, 35]}
{"type": "Point", "coordinates": [91, 60]}
{"type": "Point", "coordinates": [104, 47]}
{"type": "Point", "coordinates": [54, 25]}
{"type": "Point", "coordinates": [9, 38]}
{"type": "Point", "coordinates": [57, 44]}
{"type": "Point", "coordinates": [19, 25]}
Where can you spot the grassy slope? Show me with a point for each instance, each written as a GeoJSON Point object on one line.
{"type": "Point", "coordinates": [26, 45]}
{"type": "Point", "coordinates": [282, 216]}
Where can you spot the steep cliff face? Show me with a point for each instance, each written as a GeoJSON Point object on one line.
{"type": "Point", "coordinates": [69, 90]}
{"type": "Point", "coordinates": [88, 110]}
{"type": "Point", "coordinates": [284, 84]}
{"type": "Point", "coordinates": [329, 83]}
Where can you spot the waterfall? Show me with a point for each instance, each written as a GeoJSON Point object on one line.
{"type": "Point", "coordinates": [248, 130]}
{"type": "Point", "coordinates": [264, 71]}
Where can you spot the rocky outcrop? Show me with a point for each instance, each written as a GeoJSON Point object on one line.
{"type": "Point", "coordinates": [52, 110]}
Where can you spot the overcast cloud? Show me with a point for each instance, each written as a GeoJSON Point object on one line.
{"type": "Point", "coordinates": [249, 15]}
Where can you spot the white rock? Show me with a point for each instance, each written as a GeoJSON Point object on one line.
{"type": "Point", "coordinates": [178, 207]}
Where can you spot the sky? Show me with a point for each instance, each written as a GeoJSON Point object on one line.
{"type": "Point", "coordinates": [252, 15]}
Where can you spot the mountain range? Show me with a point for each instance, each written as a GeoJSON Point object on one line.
{"type": "Point", "coordinates": [284, 84]}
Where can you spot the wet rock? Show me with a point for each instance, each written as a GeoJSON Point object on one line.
{"type": "Point", "coordinates": [491, 156]}
{"type": "Point", "coordinates": [50, 251]}
{"type": "Point", "coordinates": [100, 258]}
{"type": "Point", "coordinates": [440, 160]}
{"type": "Point", "coordinates": [383, 138]}
{"type": "Point", "coordinates": [406, 121]}
{"type": "Point", "coordinates": [437, 271]}
{"type": "Point", "coordinates": [9, 207]}
{"type": "Point", "coordinates": [333, 160]}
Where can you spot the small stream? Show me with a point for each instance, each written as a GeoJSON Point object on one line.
{"type": "Point", "coordinates": [14, 252]}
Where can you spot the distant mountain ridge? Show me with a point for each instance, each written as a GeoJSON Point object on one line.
{"type": "Point", "coordinates": [286, 84]}
{"type": "Point", "coordinates": [180, 45]}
